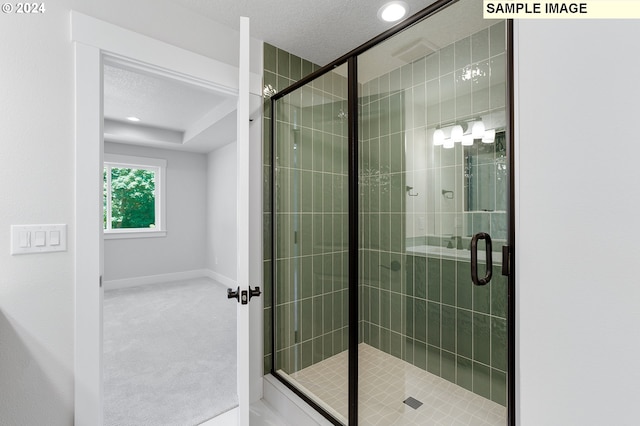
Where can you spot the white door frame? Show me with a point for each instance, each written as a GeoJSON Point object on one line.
{"type": "Point", "coordinates": [95, 40]}
{"type": "Point", "coordinates": [242, 224]}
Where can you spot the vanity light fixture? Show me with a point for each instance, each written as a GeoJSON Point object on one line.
{"type": "Point", "coordinates": [489, 136]}
{"type": "Point", "coordinates": [393, 11]}
{"type": "Point", "coordinates": [456, 133]}
{"type": "Point", "coordinates": [466, 131]}
{"type": "Point", "coordinates": [448, 143]}
{"type": "Point", "coordinates": [438, 137]}
{"type": "Point", "coordinates": [477, 129]}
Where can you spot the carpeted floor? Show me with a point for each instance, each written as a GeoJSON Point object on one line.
{"type": "Point", "coordinates": [169, 354]}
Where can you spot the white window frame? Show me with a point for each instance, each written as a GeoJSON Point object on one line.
{"type": "Point", "coordinates": [158, 166]}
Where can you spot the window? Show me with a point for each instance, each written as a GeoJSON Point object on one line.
{"type": "Point", "coordinates": [133, 197]}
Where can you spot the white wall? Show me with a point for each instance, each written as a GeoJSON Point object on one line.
{"type": "Point", "coordinates": [184, 247]}
{"type": "Point", "coordinates": [169, 22]}
{"type": "Point", "coordinates": [37, 186]}
{"type": "Point", "coordinates": [221, 208]}
{"type": "Point", "coordinates": [579, 156]}
{"type": "Point", "coordinates": [36, 182]}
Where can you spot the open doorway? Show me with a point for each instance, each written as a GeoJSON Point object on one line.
{"type": "Point", "coordinates": [169, 219]}
{"type": "Point", "coordinates": [96, 43]}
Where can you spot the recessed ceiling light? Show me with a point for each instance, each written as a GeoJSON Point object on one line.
{"type": "Point", "coordinates": [393, 11]}
{"type": "Point", "coordinates": [133, 119]}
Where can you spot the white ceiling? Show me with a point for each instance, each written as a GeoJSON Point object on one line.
{"type": "Point", "coordinates": [173, 114]}
{"type": "Point", "coordinates": [177, 115]}
{"type": "Point", "coordinates": [128, 93]}
{"type": "Point", "coordinates": [316, 30]}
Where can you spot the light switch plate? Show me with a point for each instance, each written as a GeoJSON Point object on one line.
{"type": "Point", "coordinates": [38, 239]}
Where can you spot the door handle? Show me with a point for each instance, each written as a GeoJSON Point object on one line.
{"type": "Point", "coordinates": [254, 292]}
{"type": "Point", "coordinates": [233, 294]}
{"type": "Point", "coordinates": [474, 259]}
{"type": "Point", "coordinates": [506, 260]}
{"type": "Point", "coordinates": [243, 296]}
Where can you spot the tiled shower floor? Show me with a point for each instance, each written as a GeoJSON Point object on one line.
{"type": "Point", "coordinates": [385, 382]}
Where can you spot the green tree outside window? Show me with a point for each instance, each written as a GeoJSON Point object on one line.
{"type": "Point", "coordinates": [132, 198]}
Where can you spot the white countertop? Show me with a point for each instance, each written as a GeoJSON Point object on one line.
{"type": "Point", "coordinates": [451, 253]}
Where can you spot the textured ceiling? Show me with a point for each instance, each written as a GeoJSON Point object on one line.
{"type": "Point", "coordinates": [317, 30]}
{"type": "Point", "coordinates": [173, 114]}
{"type": "Point", "coordinates": [158, 102]}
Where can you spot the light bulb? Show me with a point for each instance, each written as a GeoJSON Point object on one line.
{"type": "Point", "coordinates": [467, 140]}
{"type": "Point", "coordinates": [448, 143]}
{"type": "Point", "coordinates": [477, 130]}
{"type": "Point", "coordinates": [393, 11]}
{"type": "Point", "coordinates": [456, 133]}
{"type": "Point", "coordinates": [438, 137]}
{"type": "Point", "coordinates": [489, 136]}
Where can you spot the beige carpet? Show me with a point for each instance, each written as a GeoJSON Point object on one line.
{"type": "Point", "coordinates": [169, 354]}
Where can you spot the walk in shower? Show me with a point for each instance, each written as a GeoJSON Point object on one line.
{"type": "Point", "coordinates": [391, 216]}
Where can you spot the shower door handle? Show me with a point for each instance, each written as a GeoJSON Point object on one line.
{"type": "Point", "coordinates": [474, 259]}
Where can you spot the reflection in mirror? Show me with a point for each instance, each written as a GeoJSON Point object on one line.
{"type": "Point", "coordinates": [485, 184]}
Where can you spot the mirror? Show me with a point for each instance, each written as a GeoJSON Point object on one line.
{"type": "Point", "coordinates": [485, 186]}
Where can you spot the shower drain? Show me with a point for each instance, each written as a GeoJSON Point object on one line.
{"type": "Point", "coordinates": [413, 403]}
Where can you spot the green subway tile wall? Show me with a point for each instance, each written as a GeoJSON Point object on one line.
{"type": "Point", "coordinates": [424, 309]}
{"type": "Point", "coordinates": [311, 216]}
{"type": "Point", "coordinates": [281, 69]}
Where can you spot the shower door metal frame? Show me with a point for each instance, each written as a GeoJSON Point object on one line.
{"type": "Point", "coordinates": [351, 59]}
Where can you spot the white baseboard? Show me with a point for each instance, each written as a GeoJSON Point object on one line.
{"type": "Point", "coordinates": [154, 279]}
{"type": "Point", "coordinates": [229, 418]}
{"type": "Point", "coordinates": [229, 282]}
{"type": "Point", "coordinates": [290, 406]}
{"type": "Point", "coordinates": [260, 414]}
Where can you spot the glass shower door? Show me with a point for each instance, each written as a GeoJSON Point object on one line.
{"type": "Point", "coordinates": [310, 241]}
{"type": "Point", "coordinates": [433, 174]}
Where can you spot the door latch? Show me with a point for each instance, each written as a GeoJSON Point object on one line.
{"type": "Point", "coordinates": [243, 296]}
